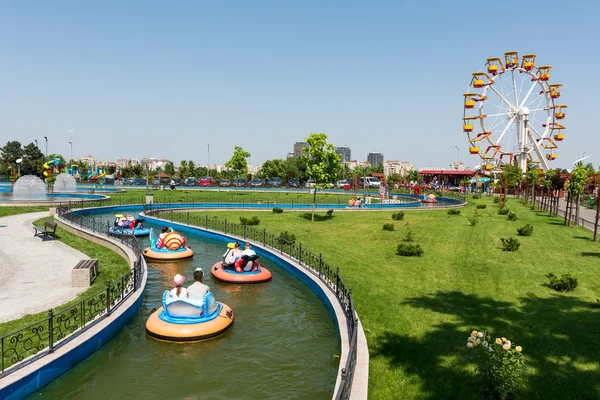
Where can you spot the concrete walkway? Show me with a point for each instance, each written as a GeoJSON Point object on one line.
{"type": "Point", "coordinates": [35, 275]}
{"type": "Point", "coordinates": [587, 216]}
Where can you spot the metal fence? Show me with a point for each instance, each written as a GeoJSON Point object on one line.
{"type": "Point", "coordinates": [313, 263]}
{"type": "Point", "coordinates": [57, 328]}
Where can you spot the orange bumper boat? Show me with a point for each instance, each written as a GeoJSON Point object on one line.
{"type": "Point", "coordinates": [259, 275]}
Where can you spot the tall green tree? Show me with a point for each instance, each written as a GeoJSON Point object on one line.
{"type": "Point", "coordinates": [238, 163]}
{"type": "Point", "coordinates": [323, 163]}
{"type": "Point", "coordinates": [183, 170]}
{"type": "Point", "coordinates": [509, 178]}
{"type": "Point", "coordinates": [192, 169]}
{"type": "Point", "coordinates": [170, 168]}
{"type": "Point", "coordinates": [575, 186]}
{"type": "Point", "coordinates": [272, 169]}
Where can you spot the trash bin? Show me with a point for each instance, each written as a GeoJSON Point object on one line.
{"type": "Point", "coordinates": [346, 186]}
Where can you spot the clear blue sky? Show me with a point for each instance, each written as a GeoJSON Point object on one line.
{"type": "Point", "coordinates": [163, 79]}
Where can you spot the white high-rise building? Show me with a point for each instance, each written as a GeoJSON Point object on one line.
{"type": "Point", "coordinates": [397, 167]}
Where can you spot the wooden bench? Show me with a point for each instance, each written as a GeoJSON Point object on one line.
{"type": "Point", "coordinates": [84, 273]}
{"type": "Point", "coordinates": [329, 213]}
{"type": "Point", "coordinates": [49, 229]}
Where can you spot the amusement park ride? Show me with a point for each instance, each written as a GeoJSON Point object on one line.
{"type": "Point", "coordinates": [513, 102]}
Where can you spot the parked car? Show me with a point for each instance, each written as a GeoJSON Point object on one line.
{"type": "Point", "coordinates": [139, 182]}
{"type": "Point", "coordinates": [372, 182]}
{"type": "Point", "coordinates": [205, 181]}
{"type": "Point", "coordinates": [340, 184]}
{"type": "Point", "coordinates": [191, 181]}
{"type": "Point", "coordinates": [239, 182]}
{"type": "Point", "coordinates": [225, 182]}
{"type": "Point", "coordinates": [257, 182]}
{"type": "Point", "coordinates": [177, 181]}
{"type": "Point", "coordinates": [275, 182]}
{"type": "Point", "coordinates": [309, 184]}
{"type": "Point", "coordinates": [294, 183]}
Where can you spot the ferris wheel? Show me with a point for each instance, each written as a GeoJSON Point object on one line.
{"type": "Point", "coordinates": [513, 102]}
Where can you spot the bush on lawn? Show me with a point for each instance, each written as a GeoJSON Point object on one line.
{"type": "Point", "coordinates": [399, 216]}
{"type": "Point", "coordinates": [565, 283]}
{"type": "Point", "coordinates": [510, 244]}
{"type": "Point", "coordinates": [512, 216]}
{"type": "Point", "coordinates": [277, 210]}
{"type": "Point", "coordinates": [454, 211]}
{"type": "Point", "coordinates": [388, 227]}
{"type": "Point", "coordinates": [249, 221]}
{"type": "Point", "coordinates": [503, 211]}
{"type": "Point", "coordinates": [481, 206]}
{"type": "Point", "coordinates": [409, 250]}
{"type": "Point", "coordinates": [526, 230]}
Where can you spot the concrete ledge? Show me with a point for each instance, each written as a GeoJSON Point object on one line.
{"type": "Point", "coordinates": [41, 370]}
{"type": "Point", "coordinates": [361, 372]}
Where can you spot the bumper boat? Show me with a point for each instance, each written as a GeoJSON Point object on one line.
{"type": "Point", "coordinates": [189, 320]}
{"type": "Point", "coordinates": [137, 231]}
{"type": "Point", "coordinates": [237, 275]}
{"type": "Point", "coordinates": [429, 199]}
{"type": "Point", "coordinates": [169, 248]}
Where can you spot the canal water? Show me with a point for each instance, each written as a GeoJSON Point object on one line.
{"type": "Point", "coordinates": [283, 344]}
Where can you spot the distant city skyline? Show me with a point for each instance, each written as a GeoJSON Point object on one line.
{"type": "Point", "coordinates": [119, 80]}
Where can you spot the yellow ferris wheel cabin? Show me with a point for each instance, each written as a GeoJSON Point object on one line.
{"type": "Point", "coordinates": [511, 59]}
{"type": "Point", "coordinates": [551, 156]}
{"type": "Point", "coordinates": [554, 93]}
{"type": "Point", "coordinates": [494, 65]}
{"type": "Point", "coordinates": [559, 112]}
{"type": "Point", "coordinates": [528, 62]}
{"type": "Point", "coordinates": [478, 80]}
{"type": "Point", "coordinates": [544, 71]}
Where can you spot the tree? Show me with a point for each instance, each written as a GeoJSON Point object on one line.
{"type": "Point", "coordinates": [238, 162]}
{"type": "Point", "coordinates": [590, 168]}
{"type": "Point", "coordinates": [170, 168]}
{"type": "Point", "coordinates": [323, 163]}
{"type": "Point", "coordinates": [272, 169]}
{"type": "Point", "coordinates": [412, 175]}
{"type": "Point", "coordinates": [33, 159]}
{"type": "Point", "coordinates": [511, 175]}
{"type": "Point", "coordinates": [377, 168]}
{"type": "Point", "coordinates": [547, 184]}
{"type": "Point", "coordinates": [183, 170]}
{"type": "Point", "coordinates": [575, 186]}
{"type": "Point", "coordinates": [192, 169]}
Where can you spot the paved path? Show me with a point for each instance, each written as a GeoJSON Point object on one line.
{"type": "Point", "coordinates": [587, 216]}
{"type": "Point", "coordinates": [35, 275]}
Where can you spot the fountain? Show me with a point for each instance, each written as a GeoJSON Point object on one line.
{"type": "Point", "coordinates": [29, 186]}
{"type": "Point", "coordinates": [64, 183]}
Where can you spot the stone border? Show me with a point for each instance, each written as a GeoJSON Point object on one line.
{"type": "Point", "coordinates": [361, 372]}
{"type": "Point", "coordinates": [40, 371]}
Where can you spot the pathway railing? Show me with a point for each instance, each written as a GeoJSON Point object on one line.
{"type": "Point", "coordinates": [47, 335]}
{"type": "Point", "coordinates": [313, 263]}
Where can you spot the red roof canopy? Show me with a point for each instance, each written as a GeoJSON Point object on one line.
{"type": "Point", "coordinates": [445, 172]}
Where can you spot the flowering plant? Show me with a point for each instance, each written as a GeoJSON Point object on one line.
{"type": "Point", "coordinates": [500, 367]}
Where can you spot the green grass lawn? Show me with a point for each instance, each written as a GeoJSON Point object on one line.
{"type": "Point", "coordinates": [418, 312]}
{"type": "Point", "coordinates": [111, 266]}
{"type": "Point", "coordinates": [137, 196]}
{"type": "Point", "coordinates": [12, 210]}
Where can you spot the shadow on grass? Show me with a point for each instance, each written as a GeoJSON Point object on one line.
{"type": "Point", "coordinates": [558, 335]}
{"type": "Point", "coordinates": [590, 254]}
{"type": "Point", "coordinates": [318, 217]}
{"type": "Point", "coordinates": [589, 239]}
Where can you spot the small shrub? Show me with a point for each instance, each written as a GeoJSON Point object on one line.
{"type": "Point", "coordinates": [510, 244]}
{"type": "Point", "coordinates": [565, 283]}
{"type": "Point", "coordinates": [388, 227]}
{"type": "Point", "coordinates": [287, 238]}
{"type": "Point", "coordinates": [526, 230]}
{"type": "Point", "coordinates": [277, 210]}
{"type": "Point", "coordinates": [473, 218]}
{"type": "Point", "coordinates": [249, 221]}
{"type": "Point", "coordinates": [409, 250]}
{"type": "Point", "coordinates": [481, 206]}
{"type": "Point", "coordinates": [408, 235]}
{"type": "Point", "coordinates": [476, 196]}
{"type": "Point", "coordinates": [503, 211]}
{"type": "Point", "coordinates": [512, 216]}
{"type": "Point", "coordinates": [496, 200]}
{"type": "Point", "coordinates": [499, 366]}
{"type": "Point", "coordinates": [399, 216]}
{"type": "Point", "coordinates": [454, 211]}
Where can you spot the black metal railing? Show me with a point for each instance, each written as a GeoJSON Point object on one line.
{"type": "Point", "coordinates": [313, 263]}
{"type": "Point", "coordinates": [57, 328]}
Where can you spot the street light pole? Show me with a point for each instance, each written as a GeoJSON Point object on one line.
{"type": "Point", "coordinates": [208, 161]}
{"type": "Point", "coordinates": [46, 137]}
{"type": "Point", "coordinates": [19, 161]}
{"type": "Point", "coordinates": [71, 161]}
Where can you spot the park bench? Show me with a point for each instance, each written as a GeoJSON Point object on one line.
{"type": "Point", "coordinates": [329, 213]}
{"type": "Point", "coordinates": [84, 273]}
{"type": "Point", "coordinates": [49, 229]}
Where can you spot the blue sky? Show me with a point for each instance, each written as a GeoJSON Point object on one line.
{"type": "Point", "coordinates": [163, 79]}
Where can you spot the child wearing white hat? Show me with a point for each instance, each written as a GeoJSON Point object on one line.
{"type": "Point", "coordinates": [179, 291]}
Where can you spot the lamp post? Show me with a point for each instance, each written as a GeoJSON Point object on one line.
{"type": "Point", "coordinates": [147, 162]}
{"type": "Point", "coordinates": [159, 164]}
{"type": "Point", "coordinates": [208, 160]}
{"type": "Point", "coordinates": [71, 160]}
{"type": "Point", "coordinates": [46, 137]}
{"type": "Point", "coordinates": [19, 161]}
{"type": "Point", "coordinates": [364, 183]}
{"type": "Point", "coordinates": [36, 143]}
